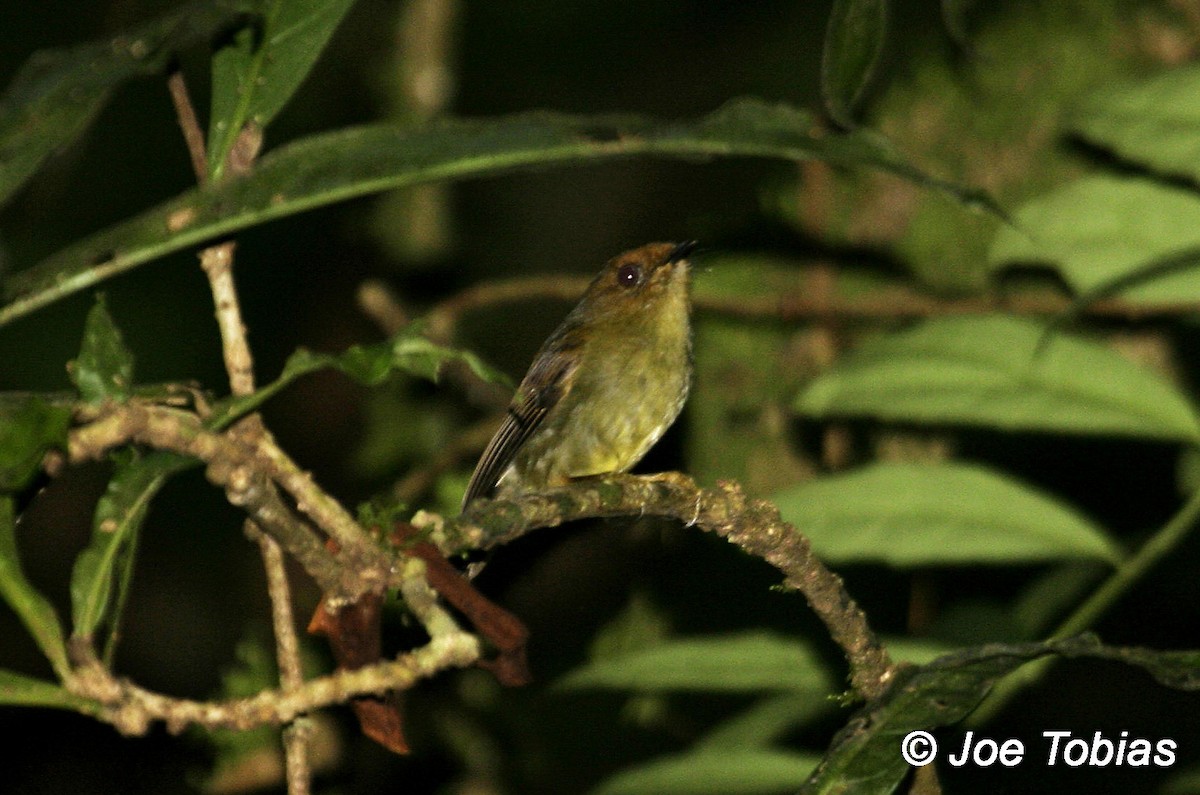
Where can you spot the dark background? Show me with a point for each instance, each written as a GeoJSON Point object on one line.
{"type": "Point", "coordinates": [199, 583]}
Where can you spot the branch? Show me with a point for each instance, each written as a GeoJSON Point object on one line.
{"type": "Point", "coordinates": [133, 709]}
{"type": "Point", "coordinates": [754, 525]}
{"type": "Point", "coordinates": [897, 303]}
{"type": "Point", "coordinates": [248, 473]}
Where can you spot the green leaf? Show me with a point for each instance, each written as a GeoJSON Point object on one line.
{"type": "Point", "coordinates": [766, 721]}
{"type": "Point", "coordinates": [341, 165]}
{"type": "Point", "coordinates": [256, 75]}
{"type": "Point", "coordinates": [34, 610]}
{"type": "Point", "coordinates": [749, 661]}
{"type": "Point", "coordinates": [854, 39]}
{"type": "Point", "coordinates": [58, 92]}
{"type": "Point", "coordinates": [18, 690]}
{"type": "Point", "coordinates": [943, 692]}
{"type": "Point", "coordinates": [407, 351]}
{"type": "Point", "coordinates": [104, 368]}
{"type": "Point", "coordinates": [1151, 122]}
{"type": "Point", "coordinates": [29, 426]}
{"type": "Point", "coordinates": [714, 771]}
{"type": "Point", "coordinates": [938, 514]}
{"type": "Point", "coordinates": [108, 558]}
{"type": "Point", "coordinates": [1001, 372]}
{"type": "Point", "coordinates": [1102, 232]}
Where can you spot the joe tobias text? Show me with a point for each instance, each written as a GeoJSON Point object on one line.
{"type": "Point", "coordinates": [1063, 748]}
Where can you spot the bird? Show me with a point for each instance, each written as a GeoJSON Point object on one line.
{"type": "Point", "coordinates": [605, 385]}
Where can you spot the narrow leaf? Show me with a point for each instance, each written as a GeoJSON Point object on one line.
{"type": "Point", "coordinates": [1151, 121]}
{"type": "Point", "coordinates": [714, 771]}
{"type": "Point", "coordinates": [260, 70]}
{"type": "Point", "coordinates": [1002, 372]}
{"type": "Point", "coordinates": [34, 610]}
{"type": "Point", "coordinates": [58, 92]}
{"type": "Point", "coordinates": [407, 351]}
{"type": "Point", "coordinates": [29, 426]}
{"type": "Point", "coordinates": [104, 368]}
{"type": "Point", "coordinates": [854, 39]}
{"type": "Point", "coordinates": [341, 165]}
{"type": "Point", "coordinates": [943, 692]}
{"type": "Point", "coordinates": [734, 663]}
{"type": "Point", "coordinates": [18, 690]}
{"type": "Point", "coordinates": [1101, 232]}
{"type": "Point", "coordinates": [936, 515]}
{"type": "Point", "coordinates": [108, 558]}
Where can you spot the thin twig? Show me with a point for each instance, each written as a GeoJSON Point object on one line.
{"type": "Point", "coordinates": [897, 303]}
{"type": "Point", "coordinates": [297, 734]}
{"type": "Point", "coordinates": [192, 136]}
{"type": "Point", "coordinates": [217, 264]}
{"type": "Point", "coordinates": [133, 710]}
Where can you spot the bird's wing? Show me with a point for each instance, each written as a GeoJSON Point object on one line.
{"type": "Point", "coordinates": [547, 382]}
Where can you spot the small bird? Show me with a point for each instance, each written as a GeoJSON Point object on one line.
{"type": "Point", "coordinates": [605, 385]}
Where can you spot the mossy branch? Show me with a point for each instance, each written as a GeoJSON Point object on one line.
{"type": "Point", "coordinates": [753, 525]}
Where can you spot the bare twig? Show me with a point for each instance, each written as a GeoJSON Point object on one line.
{"type": "Point", "coordinates": [895, 303]}
{"type": "Point", "coordinates": [444, 317]}
{"type": "Point", "coordinates": [217, 264]}
{"type": "Point", "coordinates": [311, 500]}
{"type": "Point", "coordinates": [754, 525]}
{"type": "Point", "coordinates": [192, 136]}
{"type": "Point", "coordinates": [133, 710]}
{"type": "Point", "coordinates": [297, 734]}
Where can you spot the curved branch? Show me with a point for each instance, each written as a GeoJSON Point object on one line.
{"type": "Point", "coordinates": [752, 524]}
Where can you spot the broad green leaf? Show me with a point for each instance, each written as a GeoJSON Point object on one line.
{"type": "Point", "coordinates": [58, 92]}
{"type": "Point", "coordinates": [1150, 121]}
{"type": "Point", "coordinates": [104, 368]}
{"type": "Point", "coordinates": [259, 71]}
{"type": "Point", "coordinates": [29, 426]}
{"type": "Point", "coordinates": [733, 663]}
{"type": "Point", "coordinates": [766, 721]}
{"type": "Point", "coordinates": [407, 351]}
{"type": "Point", "coordinates": [1001, 372]}
{"type": "Point", "coordinates": [18, 690]}
{"type": "Point", "coordinates": [943, 692]}
{"type": "Point", "coordinates": [108, 559]}
{"type": "Point", "coordinates": [34, 610]}
{"type": "Point", "coordinates": [341, 165]}
{"type": "Point", "coordinates": [854, 39]}
{"type": "Point", "coordinates": [938, 514]}
{"type": "Point", "coordinates": [714, 771]}
{"type": "Point", "coordinates": [1102, 232]}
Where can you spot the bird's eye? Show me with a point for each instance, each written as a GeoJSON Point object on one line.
{"type": "Point", "coordinates": [629, 275]}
